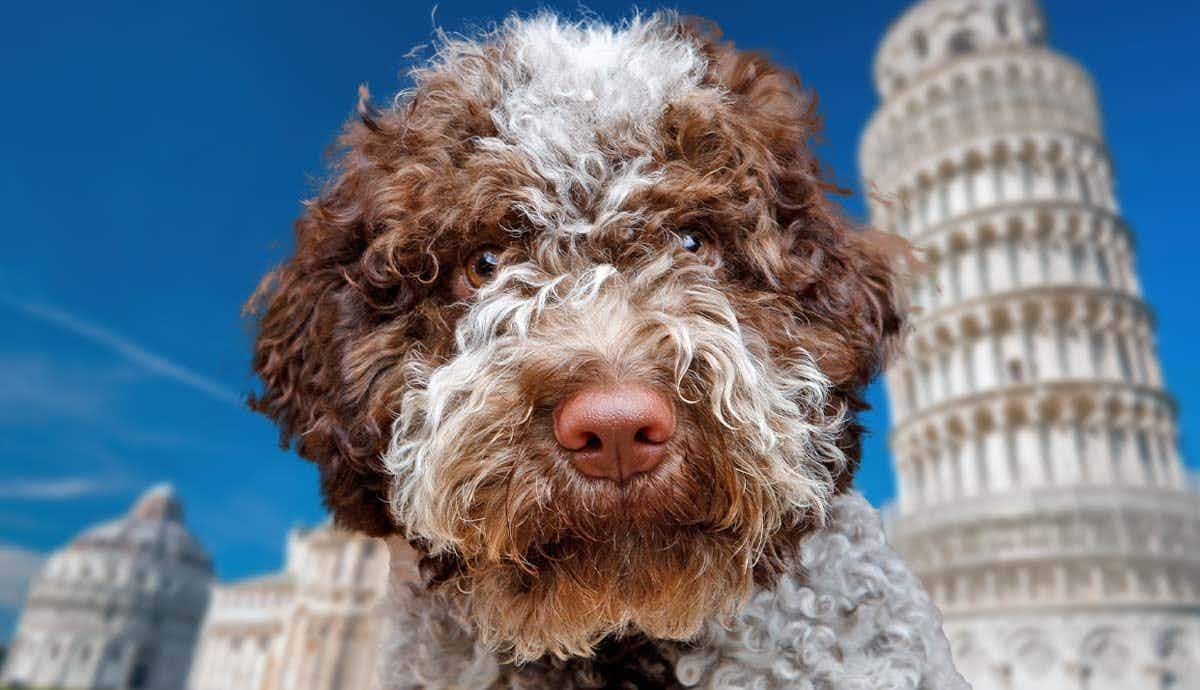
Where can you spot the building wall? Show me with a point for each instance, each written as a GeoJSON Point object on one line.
{"type": "Point", "coordinates": [312, 627]}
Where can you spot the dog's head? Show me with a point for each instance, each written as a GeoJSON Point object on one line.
{"type": "Point", "coordinates": [576, 316]}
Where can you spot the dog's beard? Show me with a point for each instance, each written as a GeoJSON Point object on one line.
{"type": "Point", "coordinates": [664, 583]}
{"type": "Point", "coordinates": [553, 562]}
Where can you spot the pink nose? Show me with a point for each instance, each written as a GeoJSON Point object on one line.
{"type": "Point", "coordinates": [615, 431]}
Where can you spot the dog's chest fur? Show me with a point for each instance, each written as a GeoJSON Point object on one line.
{"type": "Point", "coordinates": [857, 619]}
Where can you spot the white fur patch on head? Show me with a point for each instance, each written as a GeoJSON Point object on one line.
{"type": "Point", "coordinates": [570, 91]}
{"type": "Point", "coordinates": [567, 83]}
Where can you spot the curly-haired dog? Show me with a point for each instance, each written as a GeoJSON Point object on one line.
{"type": "Point", "coordinates": [575, 318]}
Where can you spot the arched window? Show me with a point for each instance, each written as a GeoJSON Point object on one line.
{"type": "Point", "coordinates": [968, 347]}
{"type": "Point", "coordinates": [924, 375]}
{"type": "Point", "coordinates": [1043, 248]}
{"type": "Point", "coordinates": [1044, 451]}
{"type": "Point", "coordinates": [1060, 346]}
{"type": "Point", "coordinates": [1081, 451]}
{"type": "Point", "coordinates": [1077, 259]}
{"type": "Point", "coordinates": [1002, 21]}
{"type": "Point", "coordinates": [985, 274]}
{"type": "Point", "coordinates": [944, 370]}
{"type": "Point", "coordinates": [1016, 371]}
{"type": "Point", "coordinates": [1014, 269]}
{"type": "Point", "coordinates": [1099, 352]}
{"type": "Point", "coordinates": [1116, 448]}
{"type": "Point", "coordinates": [1010, 454]}
{"type": "Point", "coordinates": [954, 259]}
{"type": "Point", "coordinates": [1060, 181]}
{"type": "Point", "coordinates": [961, 43]}
{"type": "Point", "coordinates": [920, 44]}
{"type": "Point", "coordinates": [1123, 358]}
{"type": "Point", "coordinates": [1102, 265]}
{"type": "Point", "coordinates": [1143, 446]}
{"type": "Point", "coordinates": [1026, 166]}
{"type": "Point", "coordinates": [981, 462]}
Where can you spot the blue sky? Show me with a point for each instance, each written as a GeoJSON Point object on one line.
{"type": "Point", "coordinates": [155, 155]}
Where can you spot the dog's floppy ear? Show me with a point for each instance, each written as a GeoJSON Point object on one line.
{"type": "Point", "coordinates": [844, 281]}
{"type": "Point", "coordinates": [309, 312]}
{"type": "Point", "coordinates": [297, 359]}
{"type": "Point", "coordinates": [849, 287]}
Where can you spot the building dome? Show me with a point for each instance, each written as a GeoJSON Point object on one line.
{"type": "Point", "coordinates": [119, 607]}
{"type": "Point", "coordinates": [153, 527]}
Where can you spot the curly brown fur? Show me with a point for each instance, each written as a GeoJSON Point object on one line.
{"type": "Point", "coordinates": [427, 403]}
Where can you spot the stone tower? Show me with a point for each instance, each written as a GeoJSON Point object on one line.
{"type": "Point", "coordinates": [1041, 495]}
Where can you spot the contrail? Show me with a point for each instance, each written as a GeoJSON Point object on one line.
{"type": "Point", "coordinates": [127, 349]}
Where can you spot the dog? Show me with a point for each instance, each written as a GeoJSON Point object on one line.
{"type": "Point", "coordinates": [576, 318]}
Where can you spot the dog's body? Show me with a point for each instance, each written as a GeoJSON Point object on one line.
{"type": "Point", "coordinates": [576, 319]}
{"type": "Point", "coordinates": [849, 615]}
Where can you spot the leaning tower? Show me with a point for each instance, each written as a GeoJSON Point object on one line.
{"type": "Point", "coordinates": [1041, 495]}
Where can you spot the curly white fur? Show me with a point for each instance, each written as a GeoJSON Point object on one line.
{"type": "Point", "coordinates": [779, 411]}
{"type": "Point", "coordinates": [848, 616]}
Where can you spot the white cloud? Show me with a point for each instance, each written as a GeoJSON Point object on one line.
{"type": "Point", "coordinates": [35, 386]}
{"type": "Point", "coordinates": [17, 568]}
{"type": "Point", "coordinates": [59, 489]}
{"type": "Point", "coordinates": [126, 349]}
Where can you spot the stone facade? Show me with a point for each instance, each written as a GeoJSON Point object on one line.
{"type": "Point", "coordinates": [313, 626]}
{"type": "Point", "coordinates": [1041, 495]}
{"type": "Point", "coordinates": [118, 608]}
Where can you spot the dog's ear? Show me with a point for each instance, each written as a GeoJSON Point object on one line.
{"type": "Point", "coordinates": [845, 283]}
{"type": "Point", "coordinates": [848, 284]}
{"type": "Point", "coordinates": [297, 357]}
{"type": "Point", "coordinates": [310, 312]}
{"type": "Point", "coordinates": [845, 280]}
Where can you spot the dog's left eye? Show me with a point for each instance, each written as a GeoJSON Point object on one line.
{"type": "Point", "coordinates": [482, 266]}
{"type": "Point", "coordinates": [698, 242]}
{"type": "Point", "coordinates": [691, 241]}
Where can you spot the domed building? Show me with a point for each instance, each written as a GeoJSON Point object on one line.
{"type": "Point", "coordinates": [119, 607]}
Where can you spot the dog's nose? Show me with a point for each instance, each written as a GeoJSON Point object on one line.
{"type": "Point", "coordinates": [615, 431]}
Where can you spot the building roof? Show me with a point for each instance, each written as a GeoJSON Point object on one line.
{"type": "Point", "coordinates": [154, 527]}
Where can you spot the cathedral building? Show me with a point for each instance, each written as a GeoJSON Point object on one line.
{"type": "Point", "coordinates": [314, 626]}
{"type": "Point", "coordinates": [118, 608]}
{"type": "Point", "coordinates": [1041, 494]}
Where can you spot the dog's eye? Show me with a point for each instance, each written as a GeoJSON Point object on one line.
{"type": "Point", "coordinates": [482, 266]}
{"type": "Point", "coordinates": [700, 243]}
{"type": "Point", "coordinates": [691, 241]}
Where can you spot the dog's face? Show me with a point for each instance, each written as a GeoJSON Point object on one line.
{"type": "Point", "coordinates": [576, 317]}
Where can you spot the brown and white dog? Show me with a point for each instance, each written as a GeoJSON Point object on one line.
{"type": "Point", "coordinates": [575, 318]}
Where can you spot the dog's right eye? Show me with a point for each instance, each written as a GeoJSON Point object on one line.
{"type": "Point", "coordinates": [700, 243]}
{"type": "Point", "coordinates": [482, 266]}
